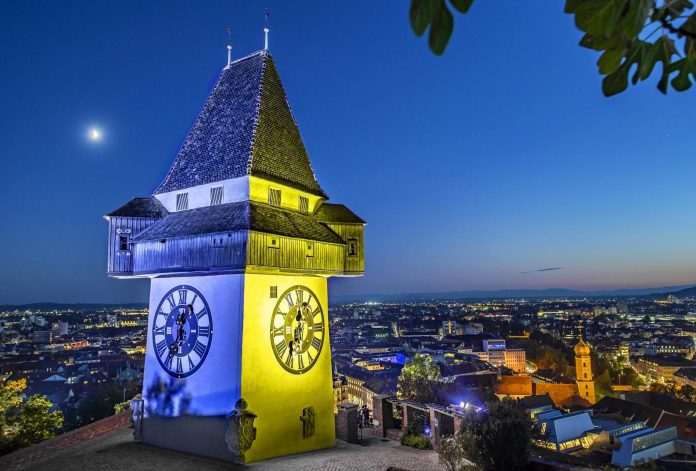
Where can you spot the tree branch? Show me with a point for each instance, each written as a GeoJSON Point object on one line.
{"type": "Point", "coordinates": [678, 31]}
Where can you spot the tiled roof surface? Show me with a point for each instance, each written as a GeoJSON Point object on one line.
{"type": "Point", "coordinates": [328, 212]}
{"type": "Point", "coordinates": [141, 208]}
{"type": "Point", "coordinates": [246, 127]}
{"type": "Point", "coordinates": [265, 218]}
{"type": "Point", "coordinates": [245, 215]}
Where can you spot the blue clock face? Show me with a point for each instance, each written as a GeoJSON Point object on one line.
{"type": "Point", "coordinates": [182, 331]}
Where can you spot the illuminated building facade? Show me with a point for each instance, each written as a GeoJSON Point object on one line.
{"type": "Point", "coordinates": [238, 242]}
{"type": "Point", "coordinates": [583, 372]}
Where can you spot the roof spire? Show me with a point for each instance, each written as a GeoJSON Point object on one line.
{"type": "Point", "coordinates": [229, 45]}
{"type": "Point", "coordinates": [266, 30]}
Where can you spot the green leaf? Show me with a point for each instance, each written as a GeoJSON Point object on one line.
{"type": "Point", "coordinates": [686, 67]}
{"type": "Point", "coordinates": [598, 16]}
{"type": "Point", "coordinates": [600, 43]}
{"type": "Point", "coordinates": [615, 82]}
{"type": "Point", "coordinates": [441, 28]}
{"type": "Point", "coordinates": [610, 60]}
{"type": "Point", "coordinates": [634, 19]}
{"type": "Point", "coordinates": [462, 6]}
{"type": "Point", "coordinates": [421, 14]}
{"type": "Point", "coordinates": [571, 5]}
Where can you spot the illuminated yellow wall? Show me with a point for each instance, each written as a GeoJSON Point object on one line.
{"type": "Point", "coordinates": [290, 197]}
{"type": "Point", "coordinates": [275, 395]}
{"type": "Point", "coordinates": [583, 375]}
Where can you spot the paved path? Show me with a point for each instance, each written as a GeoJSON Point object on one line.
{"type": "Point", "coordinates": [115, 451]}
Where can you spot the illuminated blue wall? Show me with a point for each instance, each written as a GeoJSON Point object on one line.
{"type": "Point", "coordinates": [214, 387]}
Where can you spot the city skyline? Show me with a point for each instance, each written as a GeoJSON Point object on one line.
{"type": "Point", "coordinates": [497, 207]}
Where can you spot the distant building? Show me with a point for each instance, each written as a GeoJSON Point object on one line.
{"type": "Point", "coordinates": [42, 336]}
{"type": "Point", "coordinates": [59, 329]}
{"type": "Point", "coordinates": [662, 368]}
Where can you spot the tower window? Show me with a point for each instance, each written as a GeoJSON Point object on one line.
{"type": "Point", "coordinates": [216, 195]}
{"type": "Point", "coordinates": [310, 249]}
{"type": "Point", "coordinates": [352, 247]}
{"type": "Point", "coordinates": [274, 292]}
{"type": "Point", "coordinates": [273, 242]}
{"type": "Point", "coordinates": [123, 243]}
{"type": "Point", "coordinates": [181, 201]}
{"type": "Point", "coordinates": [274, 197]}
{"type": "Point", "coordinates": [585, 375]}
{"type": "Point", "coordinates": [304, 204]}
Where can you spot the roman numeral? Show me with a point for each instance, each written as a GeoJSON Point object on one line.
{"type": "Point", "coordinates": [300, 362]}
{"type": "Point", "coordinates": [179, 368]}
{"type": "Point", "coordinates": [288, 299]}
{"type": "Point", "coordinates": [309, 357]}
{"type": "Point", "coordinates": [288, 360]}
{"type": "Point", "coordinates": [300, 295]}
{"type": "Point", "coordinates": [191, 365]}
{"type": "Point", "coordinates": [278, 331]}
{"type": "Point", "coordinates": [319, 327]}
{"type": "Point", "coordinates": [199, 348]}
{"type": "Point", "coordinates": [158, 331]}
{"type": "Point", "coordinates": [316, 343]}
{"type": "Point", "coordinates": [172, 304]}
{"type": "Point", "coordinates": [281, 347]}
{"type": "Point", "coordinates": [182, 296]}
{"type": "Point", "coordinates": [203, 312]}
{"type": "Point", "coordinates": [317, 312]}
{"type": "Point", "coordinates": [204, 331]}
{"type": "Point", "coordinates": [161, 347]}
{"type": "Point", "coordinates": [168, 362]}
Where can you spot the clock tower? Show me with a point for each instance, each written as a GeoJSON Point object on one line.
{"type": "Point", "coordinates": [238, 241]}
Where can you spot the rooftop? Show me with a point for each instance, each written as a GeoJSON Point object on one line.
{"type": "Point", "coordinates": [246, 127]}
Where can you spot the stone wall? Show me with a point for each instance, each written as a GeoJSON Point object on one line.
{"type": "Point", "coordinates": [35, 452]}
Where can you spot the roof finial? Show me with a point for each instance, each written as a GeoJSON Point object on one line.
{"type": "Point", "coordinates": [229, 45]}
{"type": "Point", "coordinates": [266, 30]}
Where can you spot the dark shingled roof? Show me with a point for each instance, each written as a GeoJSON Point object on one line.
{"type": "Point", "coordinates": [141, 208]}
{"type": "Point", "coordinates": [246, 127]}
{"type": "Point", "coordinates": [337, 213]}
{"type": "Point", "coordinates": [241, 216]}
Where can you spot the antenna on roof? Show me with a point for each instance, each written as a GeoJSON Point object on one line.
{"type": "Point", "coordinates": [266, 30]}
{"type": "Point", "coordinates": [229, 45]}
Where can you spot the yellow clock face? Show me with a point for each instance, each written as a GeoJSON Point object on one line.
{"type": "Point", "coordinates": [297, 329]}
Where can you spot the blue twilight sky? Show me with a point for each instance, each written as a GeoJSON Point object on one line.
{"type": "Point", "coordinates": [500, 157]}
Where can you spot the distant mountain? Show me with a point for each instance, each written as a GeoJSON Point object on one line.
{"type": "Point", "coordinates": [49, 306]}
{"type": "Point", "coordinates": [518, 294]}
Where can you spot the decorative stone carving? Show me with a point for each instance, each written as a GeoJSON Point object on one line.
{"type": "Point", "coordinates": [240, 433]}
{"type": "Point", "coordinates": [308, 422]}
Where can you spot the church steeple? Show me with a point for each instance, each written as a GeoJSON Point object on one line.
{"type": "Point", "coordinates": [583, 371]}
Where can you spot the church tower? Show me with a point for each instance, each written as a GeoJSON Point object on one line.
{"type": "Point", "coordinates": [238, 242]}
{"type": "Point", "coordinates": [583, 372]}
